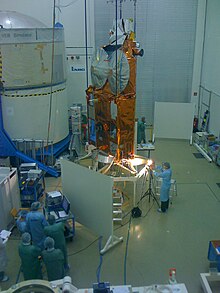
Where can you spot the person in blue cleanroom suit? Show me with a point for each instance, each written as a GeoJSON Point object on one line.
{"type": "Point", "coordinates": [35, 225]}
{"type": "Point", "coordinates": [21, 221]}
{"type": "Point", "coordinates": [141, 136]}
{"type": "Point", "coordinates": [165, 173]}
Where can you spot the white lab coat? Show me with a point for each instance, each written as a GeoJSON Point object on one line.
{"type": "Point", "coordinates": [3, 256]}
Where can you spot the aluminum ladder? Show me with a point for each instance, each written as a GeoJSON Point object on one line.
{"type": "Point", "coordinates": [117, 202]}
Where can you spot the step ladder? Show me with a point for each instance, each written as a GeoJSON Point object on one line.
{"type": "Point", "coordinates": [173, 188]}
{"type": "Point", "coordinates": [117, 202]}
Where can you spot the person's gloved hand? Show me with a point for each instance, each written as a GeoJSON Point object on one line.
{"type": "Point", "coordinates": [158, 167]}
{"type": "Point", "coordinates": [5, 241]}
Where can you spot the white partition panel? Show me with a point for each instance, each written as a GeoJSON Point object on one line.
{"type": "Point", "coordinates": [173, 120]}
{"type": "Point", "coordinates": [90, 196]}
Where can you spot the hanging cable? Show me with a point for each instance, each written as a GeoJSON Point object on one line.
{"type": "Point", "coordinates": [203, 52]}
{"type": "Point", "coordinates": [86, 44]}
{"type": "Point", "coordinates": [135, 16]}
{"type": "Point", "coordinates": [120, 9]}
{"type": "Point", "coordinates": [51, 80]}
{"type": "Point", "coordinates": [67, 5]}
{"type": "Point", "coordinates": [116, 52]}
{"type": "Point", "coordinates": [59, 11]}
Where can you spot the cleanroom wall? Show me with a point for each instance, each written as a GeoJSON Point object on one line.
{"type": "Point", "coordinates": [211, 66]}
{"type": "Point", "coordinates": [198, 53]}
{"type": "Point", "coordinates": [166, 31]}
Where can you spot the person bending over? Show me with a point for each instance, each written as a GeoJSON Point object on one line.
{"type": "Point", "coordinates": [35, 225]}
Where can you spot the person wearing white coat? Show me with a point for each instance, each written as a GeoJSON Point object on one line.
{"type": "Point", "coordinates": [3, 260]}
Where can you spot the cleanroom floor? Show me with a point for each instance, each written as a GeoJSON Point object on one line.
{"type": "Point", "coordinates": [178, 239]}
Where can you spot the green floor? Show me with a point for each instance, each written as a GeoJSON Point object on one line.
{"type": "Point", "coordinates": [157, 241]}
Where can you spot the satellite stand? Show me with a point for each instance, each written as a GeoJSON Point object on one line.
{"type": "Point", "coordinates": [150, 191]}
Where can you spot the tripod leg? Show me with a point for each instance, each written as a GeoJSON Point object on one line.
{"type": "Point", "coordinates": [150, 193]}
{"type": "Point", "coordinates": [154, 197]}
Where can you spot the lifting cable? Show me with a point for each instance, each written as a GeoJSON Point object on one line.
{"type": "Point", "coordinates": [52, 75]}
{"type": "Point", "coordinates": [86, 45]}
{"type": "Point", "coordinates": [120, 9]}
{"type": "Point", "coordinates": [116, 51]}
{"type": "Point", "coordinates": [135, 16]}
{"type": "Point", "coordinates": [67, 5]}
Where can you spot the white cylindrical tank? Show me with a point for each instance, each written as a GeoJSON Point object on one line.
{"type": "Point", "coordinates": [33, 74]}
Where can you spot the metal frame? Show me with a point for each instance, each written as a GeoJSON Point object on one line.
{"type": "Point", "coordinates": [8, 148]}
{"type": "Point", "coordinates": [207, 278]}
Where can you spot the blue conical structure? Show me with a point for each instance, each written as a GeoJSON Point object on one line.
{"type": "Point", "coordinates": [8, 148]}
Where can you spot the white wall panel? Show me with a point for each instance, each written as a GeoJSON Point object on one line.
{"type": "Point", "coordinates": [173, 120]}
{"type": "Point", "coordinates": [198, 53]}
{"type": "Point", "coordinates": [90, 196]}
{"type": "Point", "coordinates": [211, 60]}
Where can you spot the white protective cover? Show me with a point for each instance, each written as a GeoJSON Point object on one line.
{"type": "Point", "coordinates": [100, 68]}
{"type": "Point", "coordinates": [120, 72]}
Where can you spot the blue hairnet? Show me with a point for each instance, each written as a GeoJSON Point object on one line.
{"type": "Point", "coordinates": [49, 243]}
{"type": "Point", "coordinates": [167, 165]}
{"type": "Point", "coordinates": [23, 213]}
{"type": "Point", "coordinates": [35, 206]}
{"type": "Point", "coordinates": [26, 238]}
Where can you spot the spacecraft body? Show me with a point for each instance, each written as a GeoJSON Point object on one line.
{"type": "Point", "coordinates": [111, 99]}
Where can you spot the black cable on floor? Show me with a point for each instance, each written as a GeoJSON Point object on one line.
{"type": "Point", "coordinates": [131, 215]}
{"type": "Point", "coordinates": [71, 254]}
{"type": "Point", "coordinates": [98, 271]}
{"type": "Point", "coordinates": [18, 275]}
{"type": "Point", "coordinates": [148, 210]}
{"type": "Point", "coordinates": [126, 252]}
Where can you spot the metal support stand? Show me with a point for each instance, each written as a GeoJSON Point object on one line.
{"type": "Point", "coordinates": [112, 241]}
{"type": "Point", "coordinates": [76, 139]}
{"type": "Point", "coordinates": [150, 191]}
{"type": "Point", "coordinates": [203, 152]}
